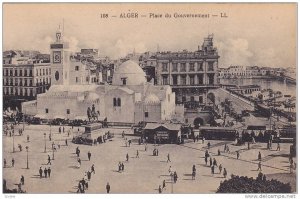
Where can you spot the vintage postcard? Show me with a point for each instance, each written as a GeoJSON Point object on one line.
{"type": "Point", "coordinates": [149, 98]}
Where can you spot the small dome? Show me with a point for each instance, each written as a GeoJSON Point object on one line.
{"type": "Point", "coordinates": [152, 99]}
{"type": "Point", "coordinates": [129, 73]}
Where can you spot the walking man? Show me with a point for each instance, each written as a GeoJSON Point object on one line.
{"type": "Point", "coordinates": [12, 162]}
{"type": "Point", "coordinates": [225, 173]}
{"type": "Point", "coordinates": [93, 169]}
{"type": "Point", "coordinates": [66, 141]}
{"type": "Point", "coordinates": [49, 160]}
{"type": "Point", "coordinates": [22, 180]}
{"type": "Point", "coordinates": [168, 158]}
{"type": "Point", "coordinates": [127, 157]}
{"type": "Point", "coordinates": [237, 155]}
{"type": "Point", "coordinates": [210, 161]}
{"type": "Point", "coordinates": [89, 155]}
{"type": "Point", "coordinates": [164, 184]}
{"type": "Point", "coordinates": [107, 188]}
{"type": "Point", "coordinates": [4, 161]}
{"type": "Point", "coordinates": [220, 168]}
{"type": "Point", "coordinates": [137, 154]}
{"type": "Point", "coordinates": [213, 170]}
{"type": "Point", "coordinates": [45, 172]}
{"type": "Point", "coordinates": [159, 189]}
{"type": "Point", "coordinates": [41, 172]}
{"type": "Point", "coordinates": [49, 172]}
{"type": "Point", "coordinates": [278, 147]}
{"type": "Point", "coordinates": [259, 156]}
{"type": "Point", "coordinates": [259, 166]}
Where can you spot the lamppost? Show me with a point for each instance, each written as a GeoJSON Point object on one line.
{"type": "Point", "coordinates": [27, 156]}
{"type": "Point", "coordinates": [52, 153]}
{"type": "Point", "coordinates": [13, 132]}
{"type": "Point", "coordinates": [24, 120]}
{"type": "Point", "coordinates": [172, 180]}
{"type": "Point", "coordinates": [45, 142]}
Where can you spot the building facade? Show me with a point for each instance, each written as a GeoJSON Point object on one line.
{"type": "Point", "coordinates": [190, 74]}
{"type": "Point", "coordinates": [24, 81]}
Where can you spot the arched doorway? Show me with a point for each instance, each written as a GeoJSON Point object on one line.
{"type": "Point", "coordinates": [198, 122]}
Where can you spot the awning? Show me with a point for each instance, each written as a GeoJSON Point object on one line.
{"type": "Point", "coordinates": [41, 116]}
{"type": "Point", "coordinates": [59, 117]}
{"type": "Point", "coordinates": [219, 121]}
{"type": "Point", "coordinates": [81, 118]}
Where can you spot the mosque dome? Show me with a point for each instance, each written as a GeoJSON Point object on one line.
{"type": "Point", "coordinates": [129, 73]}
{"type": "Point", "coordinates": [152, 99]}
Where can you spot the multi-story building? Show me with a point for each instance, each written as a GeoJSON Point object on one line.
{"type": "Point", "coordinates": [190, 74]}
{"type": "Point", "coordinates": [23, 81]}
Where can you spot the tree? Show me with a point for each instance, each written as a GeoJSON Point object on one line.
{"type": "Point", "coordinates": [243, 184]}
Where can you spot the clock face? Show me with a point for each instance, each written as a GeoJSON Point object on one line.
{"type": "Point", "coordinates": [56, 75]}
{"type": "Point", "coordinates": [56, 57]}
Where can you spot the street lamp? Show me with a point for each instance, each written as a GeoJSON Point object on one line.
{"type": "Point", "coordinates": [27, 156]}
{"type": "Point", "coordinates": [53, 151]}
{"type": "Point", "coordinates": [13, 132]}
{"type": "Point", "coordinates": [45, 142]}
{"type": "Point", "coordinates": [172, 180]}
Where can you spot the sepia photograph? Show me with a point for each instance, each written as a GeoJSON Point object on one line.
{"type": "Point", "coordinates": [149, 98]}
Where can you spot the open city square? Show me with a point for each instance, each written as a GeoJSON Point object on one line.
{"type": "Point", "coordinates": [111, 113]}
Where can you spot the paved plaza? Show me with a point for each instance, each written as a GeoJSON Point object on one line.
{"type": "Point", "coordinates": [140, 175]}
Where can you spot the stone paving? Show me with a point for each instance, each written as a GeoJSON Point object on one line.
{"type": "Point", "coordinates": [141, 175]}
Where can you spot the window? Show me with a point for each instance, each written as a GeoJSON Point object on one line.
{"type": "Point", "coordinates": [21, 92]}
{"type": "Point", "coordinates": [164, 67]}
{"type": "Point", "coordinates": [37, 72]}
{"type": "Point", "coordinates": [6, 71]}
{"type": "Point", "coordinates": [30, 72]}
{"type": "Point", "coordinates": [200, 79]}
{"type": "Point", "coordinates": [46, 110]}
{"type": "Point", "coordinates": [192, 79]}
{"type": "Point", "coordinates": [16, 91]}
{"type": "Point", "coordinates": [200, 66]}
{"type": "Point", "coordinates": [174, 79]}
{"type": "Point", "coordinates": [31, 92]}
{"type": "Point", "coordinates": [68, 111]}
{"type": "Point", "coordinates": [76, 79]}
{"type": "Point", "coordinates": [87, 79]}
{"type": "Point", "coordinates": [123, 81]}
{"type": "Point", "coordinates": [201, 99]}
{"type": "Point", "coordinates": [119, 102]}
{"type": "Point", "coordinates": [25, 91]}
{"type": "Point", "coordinates": [16, 72]}
{"type": "Point", "coordinates": [11, 72]}
{"type": "Point", "coordinates": [30, 82]}
{"type": "Point", "coordinates": [25, 72]}
{"type": "Point", "coordinates": [210, 78]}
{"type": "Point", "coordinates": [11, 82]}
{"type": "Point", "coordinates": [25, 83]}
{"type": "Point", "coordinates": [43, 71]}
{"type": "Point", "coordinates": [182, 67]}
{"type": "Point", "coordinates": [192, 67]}
{"type": "Point", "coordinates": [76, 68]}
{"type": "Point", "coordinates": [11, 91]}
{"type": "Point", "coordinates": [146, 114]}
{"type": "Point", "coordinates": [46, 71]}
{"type": "Point", "coordinates": [210, 66]}
{"type": "Point", "coordinates": [116, 102]}
{"type": "Point", "coordinates": [174, 67]}
{"type": "Point", "coordinates": [40, 72]}
{"type": "Point", "coordinates": [165, 80]}
{"type": "Point", "coordinates": [192, 98]}
{"type": "Point", "coordinates": [16, 82]}
{"type": "Point", "coordinates": [183, 80]}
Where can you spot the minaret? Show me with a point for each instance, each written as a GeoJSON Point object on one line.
{"type": "Point", "coordinates": [59, 59]}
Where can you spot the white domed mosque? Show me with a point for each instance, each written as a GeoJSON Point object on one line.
{"type": "Point", "coordinates": [130, 98]}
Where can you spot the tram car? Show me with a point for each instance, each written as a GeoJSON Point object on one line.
{"type": "Point", "coordinates": [218, 133]}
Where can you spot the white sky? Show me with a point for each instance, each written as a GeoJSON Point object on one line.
{"type": "Point", "coordinates": [253, 34]}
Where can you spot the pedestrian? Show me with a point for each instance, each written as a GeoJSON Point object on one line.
{"type": "Point", "coordinates": [259, 156]}
{"type": "Point", "coordinates": [278, 147]}
{"type": "Point", "coordinates": [193, 175]}
{"type": "Point", "coordinates": [88, 175]}
{"type": "Point", "coordinates": [119, 167]}
{"type": "Point", "coordinates": [86, 185]}
{"type": "Point", "coordinates": [122, 166]}
{"type": "Point", "coordinates": [203, 139]}
{"type": "Point", "coordinates": [197, 138]}
{"type": "Point", "coordinates": [210, 161]}
{"type": "Point", "coordinates": [219, 152]}
{"type": "Point", "coordinates": [228, 151]}
{"type": "Point", "coordinates": [129, 142]}
{"type": "Point", "coordinates": [237, 154]}
{"type": "Point", "coordinates": [159, 189]}
{"type": "Point", "coordinates": [27, 138]}
{"type": "Point", "coordinates": [170, 169]}
{"type": "Point", "coordinates": [212, 169]}
{"type": "Point", "coordinates": [137, 154]}
{"type": "Point", "coordinates": [146, 147]}
{"type": "Point", "coordinates": [12, 162]}
{"type": "Point", "coordinates": [164, 184]}
{"type": "Point", "coordinates": [66, 141]}
{"type": "Point", "coordinates": [4, 161]}
{"type": "Point", "coordinates": [49, 171]}
{"type": "Point", "coordinates": [93, 169]}
{"type": "Point", "coordinates": [49, 160]}
{"type": "Point", "coordinates": [49, 137]}
{"type": "Point", "coordinates": [79, 162]}
{"type": "Point", "coordinates": [107, 188]}
{"type": "Point", "coordinates": [259, 166]}
{"type": "Point", "coordinates": [22, 180]}
{"type": "Point", "coordinates": [208, 145]}
{"type": "Point", "coordinates": [156, 152]}
{"type": "Point", "coordinates": [127, 157]}
{"type": "Point", "coordinates": [63, 129]}
{"type": "Point", "coordinates": [168, 158]}
{"type": "Point", "coordinates": [205, 160]}
{"type": "Point", "coordinates": [41, 172]}
{"type": "Point", "coordinates": [194, 168]}
{"type": "Point", "coordinates": [225, 173]}
{"type": "Point", "coordinates": [220, 168]}
{"type": "Point", "coordinates": [89, 155]}
{"type": "Point", "coordinates": [45, 172]}
{"type": "Point", "coordinates": [175, 177]}
{"type": "Point", "coordinates": [59, 129]}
